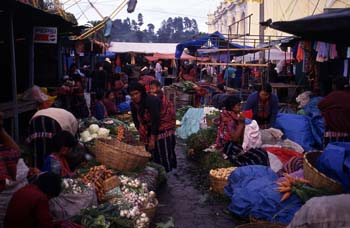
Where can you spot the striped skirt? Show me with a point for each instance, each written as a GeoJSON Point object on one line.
{"type": "Point", "coordinates": [164, 152]}
{"type": "Point", "coordinates": [238, 157]}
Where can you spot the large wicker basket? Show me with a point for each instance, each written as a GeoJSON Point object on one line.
{"type": "Point", "coordinates": [216, 184]}
{"type": "Point", "coordinates": [120, 156]}
{"type": "Point", "coordinates": [316, 178]}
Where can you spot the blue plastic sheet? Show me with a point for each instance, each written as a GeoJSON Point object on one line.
{"type": "Point", "coordinates": [252, 190]}
{"type": "Point", "coordinates": [190, 122]}
{"type": "Point", "coordinates": [334, 162]}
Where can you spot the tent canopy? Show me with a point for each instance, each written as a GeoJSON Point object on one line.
{"type": "Point", "coordinates": [124, 47]}
{"type": "Point", "coordinates": [214, 40]}
{"type": "Point", "coordinates": [184, 56]}
{"type": "Point", "coordinates": [330, 26]}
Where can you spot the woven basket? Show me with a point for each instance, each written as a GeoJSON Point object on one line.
{"type": "Point", "coordinates": [151, 212]}
{"type": "Point", "coordinates": [111, 183]}
{"type": "Point", "coordinates": [316, 178]}
{"type": "Point", "coordinates": [262, 225]}
{"type": "Point", "coordinates": [217, 185]}
{"type": "Point", "coordinates": [120, 156]}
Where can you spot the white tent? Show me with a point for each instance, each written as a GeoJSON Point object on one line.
{"type": "Point", "coordinates": [123, 47]}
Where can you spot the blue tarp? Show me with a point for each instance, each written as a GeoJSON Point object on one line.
{"type": "Point", "coordinates": [252, 190]}
{"type": "Point", "coordinates": [216, 40]}
{"type": "Point", "coordinates": [307, 131]}
{"type": "Point", "coordinates": [334, 162]}
{"type": "Point", "coordinates": [190, 122]}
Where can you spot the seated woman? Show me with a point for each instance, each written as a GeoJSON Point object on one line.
{"type": "Point", "coordinates": [230, 136]}
{"type": "Point", "coordinates": [45, 124]}
{"type": "Point", "coordinates": [99, 111]}
{"type": "Point", "coordinates": [264, 105]}
{"type": "Point", "coordinates": [110, 103]}
{"type": "Point", "coordinates": [29, 206]}
{"type": "Point", "coordinates": [64, 142]}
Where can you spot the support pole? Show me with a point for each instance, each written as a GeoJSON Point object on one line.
{"type": "Point", "coordinates": [261, 30]}
{"type": "Point", "coordinates": [14, 78]}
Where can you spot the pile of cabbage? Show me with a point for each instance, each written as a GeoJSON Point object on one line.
{"type": "Point", "coordinates": [93, 132]}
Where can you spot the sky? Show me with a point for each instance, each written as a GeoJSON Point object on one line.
{"type": "Point", "coordinates": [153, 11]}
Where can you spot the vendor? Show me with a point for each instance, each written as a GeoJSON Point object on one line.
{"type": "Point", "coordinates": [29, 206]}
{"type": "Point", "coordinates": [230, 136]}
{"type": "Point", "coordinates": [99, 110]}
{"type": "Point", "coordinates": [264, 105]}
{"type": "Point", "coordinates": [43, 126]}
{"type": "Point", "coordinates": [9, 155]}
{"type": "Point", "coordinates": [63, 144]}
{"type": "Point", "coordinates": [110, 103]}
{"type": "Point", "coordinates": [335, 108]}
{"type": "Point", "coordinates": [156, 126]}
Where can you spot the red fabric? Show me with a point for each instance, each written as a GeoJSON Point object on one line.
{"type": "Point", "coordinates": [167, 114]}
{"type": "Point", "coordinates": [28, 208]}
{"type": "Point", "coordinates": [248, 114]}
{"type": "Point", "coordinates": [8, 163]}
{"type": "Point", "coordinates": [111, 107]}
{"type": "Point", "coordinates": [335, 108]}
{"type": "Point", "coordinates": [65, 170]}
{"type": "Point", "coordinates": [283, 154]}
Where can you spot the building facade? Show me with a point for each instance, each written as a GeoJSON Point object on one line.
{"type": "Point", "coordinates": [228, 13]}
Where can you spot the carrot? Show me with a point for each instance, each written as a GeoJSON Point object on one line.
{"type": "Point", "coordinates": [285, 196]}
{"type": "Point", "coordinates": [302, 180]}
{"type": "Point", "coordinates": [280, 184]}
{"type": "Point", "coordinates": [284, 189]}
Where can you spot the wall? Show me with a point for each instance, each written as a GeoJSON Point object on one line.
{"type": "Point", "coordinates": [277, 10]}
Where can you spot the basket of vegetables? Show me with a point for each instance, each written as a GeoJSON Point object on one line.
{"type": "Point", "coordinates": [120, 156]}
{"type": "Point", "coordinates": [316, 178]}
{"type": "Point", "coordinates": [218, 178]}
{"type": "Point", "coordinates": [151, 208]}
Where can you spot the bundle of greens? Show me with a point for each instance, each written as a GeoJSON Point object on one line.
{"type": "Point", "coordinates": [201, 140]}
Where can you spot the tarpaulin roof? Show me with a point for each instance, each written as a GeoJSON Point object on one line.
{"type": "Point", "coordinates": [123, 47]}
{"type": "Point", "coordinates": [331, 26]}
{"type": "Point", "coordinates": [184, 56]}
{"type": "Point", "coordinates": [214, 40]}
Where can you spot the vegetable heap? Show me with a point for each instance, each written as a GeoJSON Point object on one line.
{"type": "Point", "coordinates": [300, 187]}
{"type": "Point", "coordinates": [222, 173]}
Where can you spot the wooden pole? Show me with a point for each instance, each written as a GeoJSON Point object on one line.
{"type": "Point", "coordinates": [31, 58]}
{"type": "Point", "coordinates": [234, 64]}
{"type": "Point", "coordinates": [14, 77]}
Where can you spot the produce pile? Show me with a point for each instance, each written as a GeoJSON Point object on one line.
{"type": "Point", "coordinates": [300, 187]}
{"type": "Point", "coordinates": [199, 141]}
{"type": "Point", "coordinates": [123, 205]}
{"type": "Point", "coordinates": [96, 177]}
{"type": "Point", "coordinates": [222, 173]}
{"type": "Point", "coordinates": [75, 186]}
{"type": "Point", "coordinates": [124, 131]}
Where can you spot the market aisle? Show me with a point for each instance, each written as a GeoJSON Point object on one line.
{"type": "Point", "coordinates": [188, 206]}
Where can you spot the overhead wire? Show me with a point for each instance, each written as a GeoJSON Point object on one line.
{"type": "Point", "coordinates": [318, 1]}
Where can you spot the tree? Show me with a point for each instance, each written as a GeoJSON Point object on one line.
{"type": "Point", "coordinates": [140, 19]}
{"type": "Point", "coordinates": [134, 25]}
{"type": "Point", "coordinates": [150, 28]}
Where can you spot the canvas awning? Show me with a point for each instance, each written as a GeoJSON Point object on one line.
{"type": "Point", "coordinates": [184, 56]}
{"type": "Point", "coordinates": [331, 26]}
{"type": "Point", "coordinates": [125, 47]}
{"type": "Point", "coordinates": [213, 41]}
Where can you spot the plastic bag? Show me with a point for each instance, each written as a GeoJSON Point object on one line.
{"type": "Point", "coordinates": [36, 94]}
{"type": "Point", "coordinates": [67, 205]}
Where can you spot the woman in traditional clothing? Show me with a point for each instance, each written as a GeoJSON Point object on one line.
{"type": "Point", "coordinates": [43, 126]}
{"type": "Point", "coordinates": [156, 124]}
{"type": "Point", "coordinates": [230, 136]}
{"type": "Point", "coordinates": [64, 143]}
{"type": "Point", "coordinates": [110, 104]}
{"type": "Point", "coordinates": [264, 105]}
